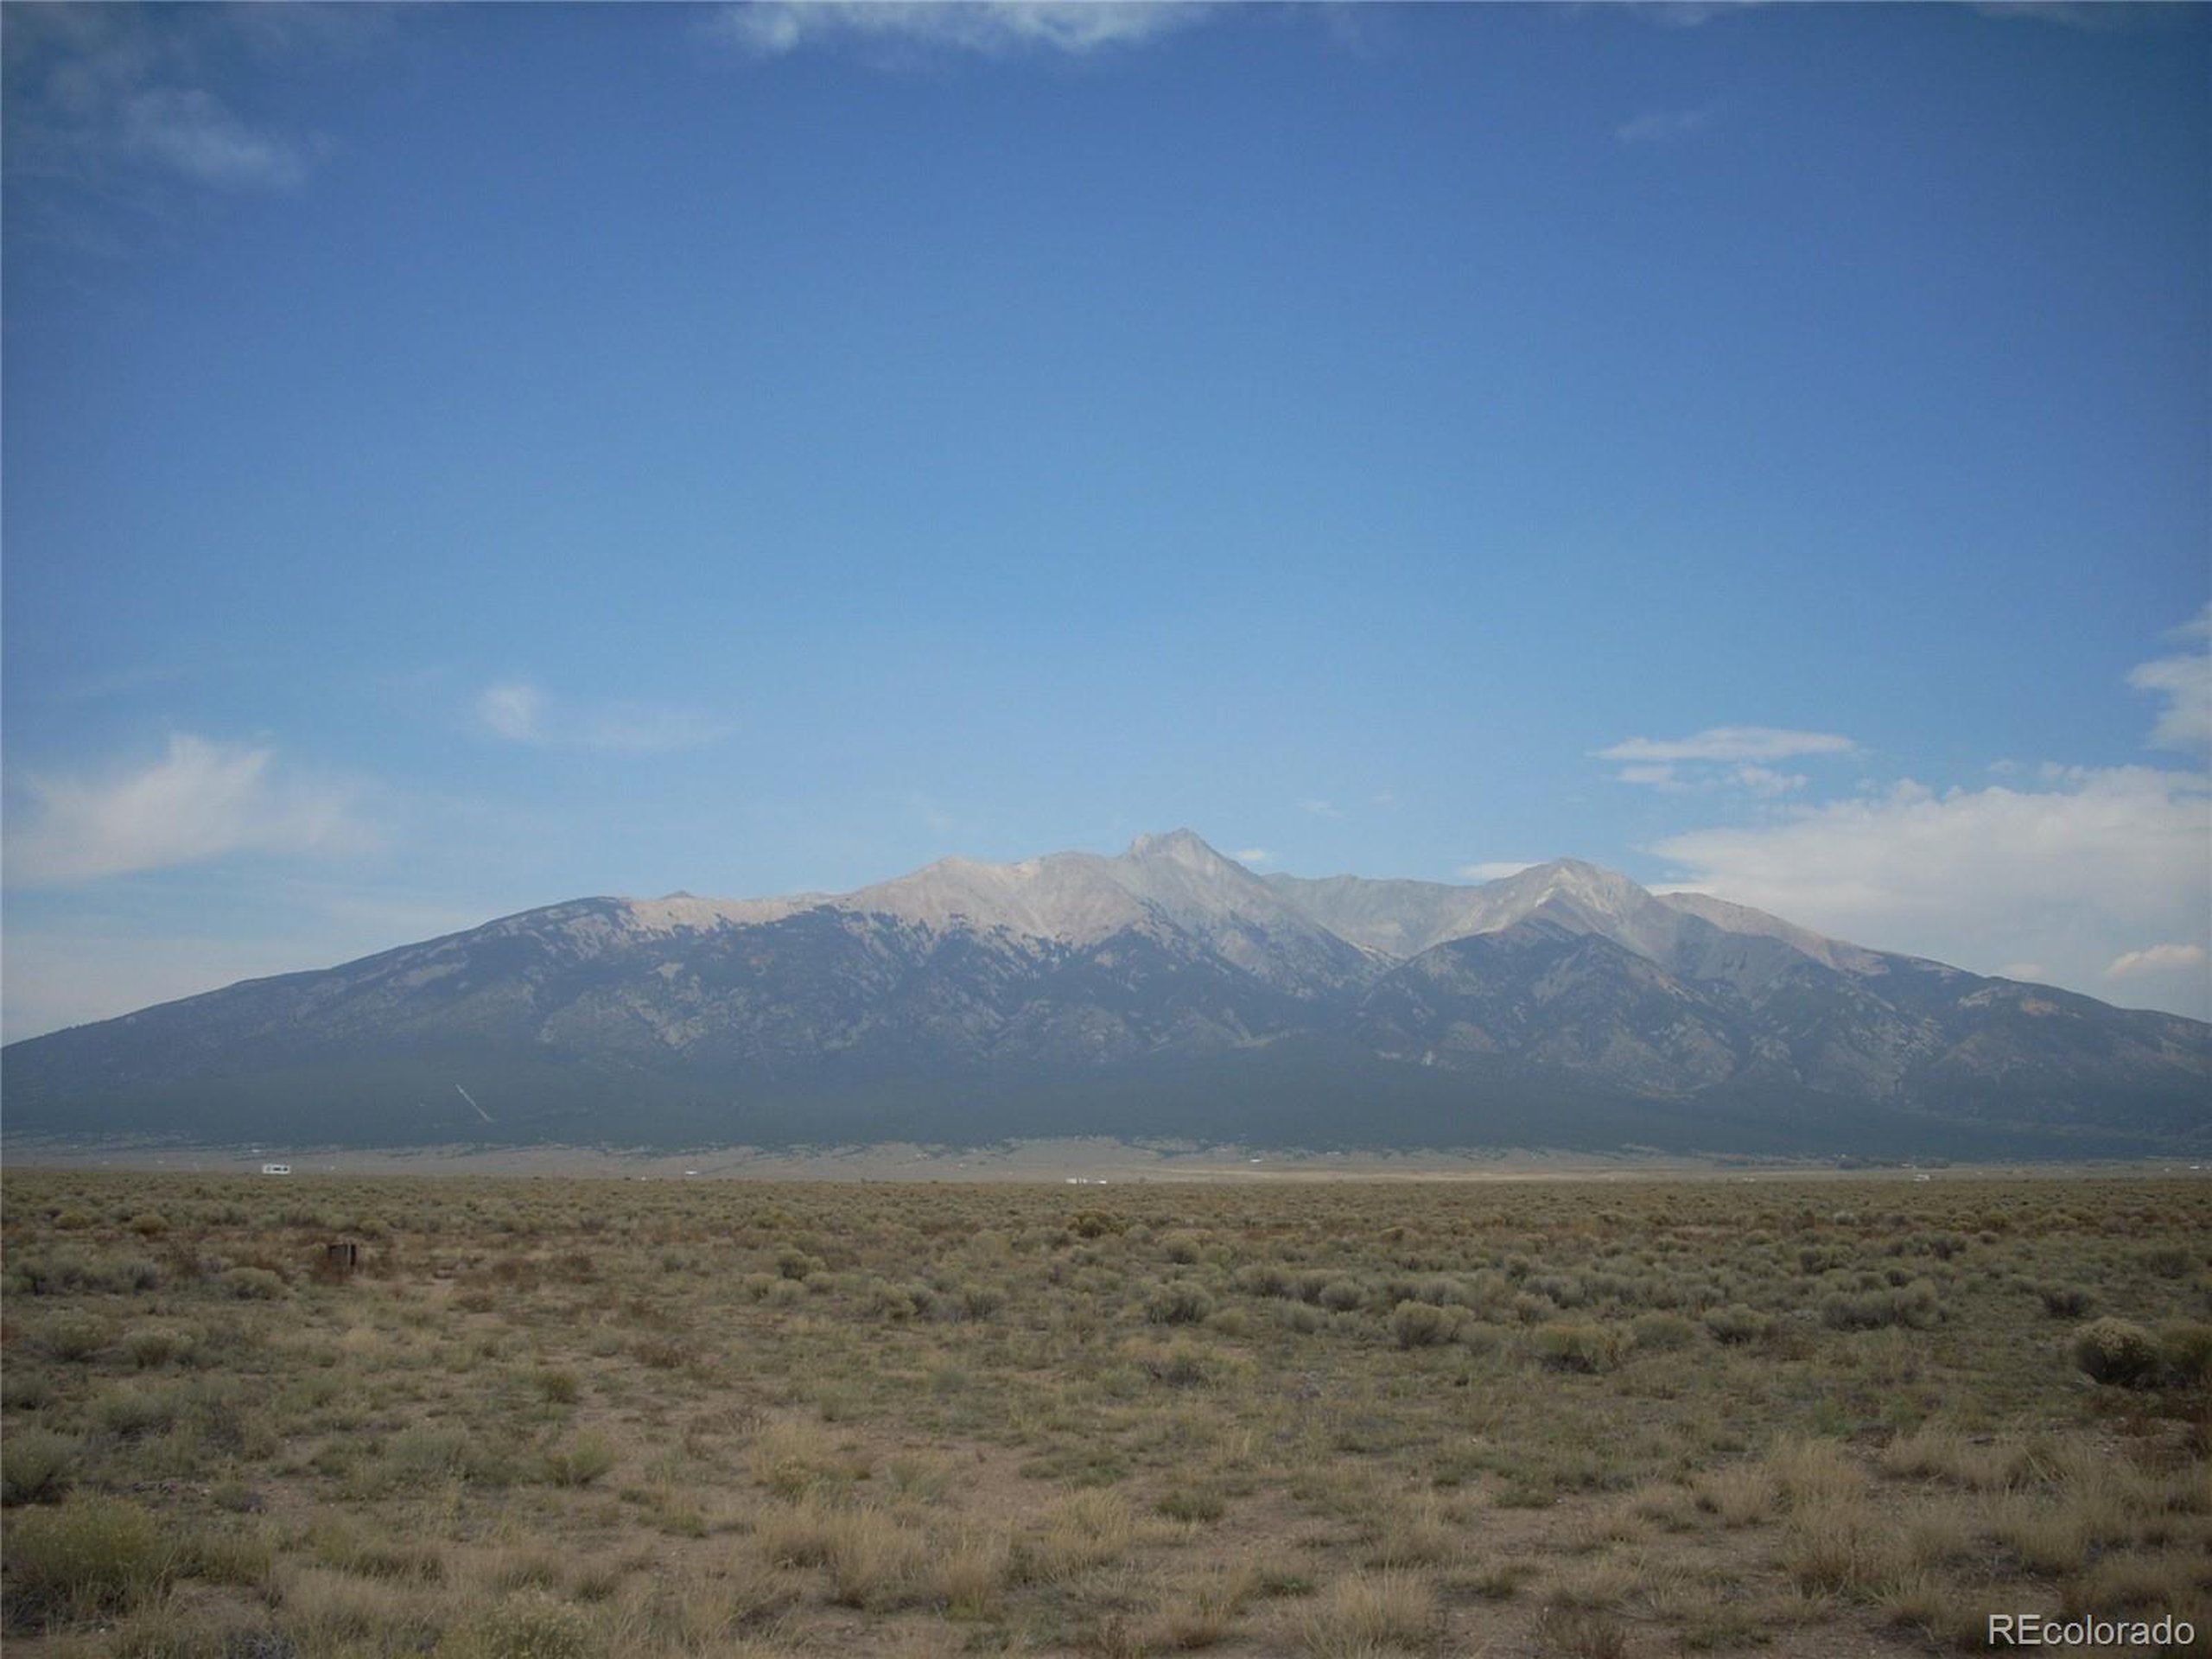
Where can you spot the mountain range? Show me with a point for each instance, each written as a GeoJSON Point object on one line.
{"type": "Point", "coordinates": [1165, 992]}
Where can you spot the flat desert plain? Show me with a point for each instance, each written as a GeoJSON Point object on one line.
{"type": "Point", "coordinates": [485, 1417]}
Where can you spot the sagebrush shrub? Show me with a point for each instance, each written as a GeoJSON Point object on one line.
{"type": "Point", "coordinates": [580, 1462]}
{"type": "Point", "coordinates": [1422, 1324]}
{"type": "Point", "coordinates": [1662, 1331]}
{"type": "Point", "coordinates": [2114, 1352]}
{"type": "Point", "coordinates": [2068, 1301]}
{"type": "Point", "coordinates": [1341, 1295]}
{"type": "Point", "coordinates": [34, 1466]}
{"type": "Point", "coordinates": [253, 1284]}
{"type": "Point", "coordinates": [1578, 1347]}
{"type": "Point", "coordinates": [74, 1339]}
{"type": "Point", "coordinates": [1177, 1304]}
{"type": "Point", "coordinates": [1914, 1305]}
{"type": "Point", "coordinates": [2185, 1354]}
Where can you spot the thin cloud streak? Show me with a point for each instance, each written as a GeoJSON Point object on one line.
{"type": "Point", "coordinates": [774, 28]}
{"type": "Point", "coordinates": [1663, 126]}
{"type": "Point", "coordinates": [203, 800]}
{"type": "Point", "coordinates": [518, 711]}
{"type": "Point", "coordinates": [1721, 756]}
{"type": "Point", "coordinates": [1730, 743]}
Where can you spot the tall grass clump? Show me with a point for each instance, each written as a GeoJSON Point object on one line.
{"type": "Point", "coordinates": [535, 1624]}
{"type": "Point", "coordinates": [1370, 1613]}
{"type": "Point", "coordinates": [91, 1558]}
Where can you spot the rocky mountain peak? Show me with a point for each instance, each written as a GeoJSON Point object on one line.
{"type": "Point", "coordinates": [1593, 894]}
{"type": "Point", "coordinates": [1164, 989]}
{"type": "Point", "coordinates": [1184, 847]}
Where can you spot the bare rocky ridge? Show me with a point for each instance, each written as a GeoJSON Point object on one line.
{"type": "Point", "coordinates": [1167, 990]}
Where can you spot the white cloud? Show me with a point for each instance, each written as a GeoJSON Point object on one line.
{"type": "Point", "coordinates": [201, 801]}
{"type": "Point", "coordinates": [511, 710]}
{"type": "Point", "coordinates": [1320, 809]}
{"type": "Point", "coordinates": [1689, 14]}
{"type": "Point", "coordinates": [2155, 959]}
{"type": "Point", "coordinates": [520, 712]}
{"type": "Point", "coordinates": [99, 91]}
{"type": "Point", "coordinates": [189, 131]}
{"type": "Point", "coordinates": [2185, 682]}
{"type": "Point", "coordinates": [2087, 15]}
{"type": "Point", "coordinates": [1720, 756]}
{"type": "Point", "coordinates": [1721, 743]}
{"type": "Point", "coordinates": [2070, 872]}
{"type": "Point", "coordinates": [1761, 781]}
{"type": "Point", "coordinates": [991, 27]}
{"type": "Point", "coordinates": [1253, 856]}
{"type": "Point", "coordinates": [648, 728]}
{"type": "Point", "coordinates": [1497, 869]}
{"type": "Point", "coordinates": [1661, 126]}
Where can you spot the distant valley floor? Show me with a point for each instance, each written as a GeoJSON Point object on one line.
{"type": "Point", "coordinates": [1077, 1161]}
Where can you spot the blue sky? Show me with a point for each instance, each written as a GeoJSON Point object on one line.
{"type": "Point", "coordinates": [465, 458]}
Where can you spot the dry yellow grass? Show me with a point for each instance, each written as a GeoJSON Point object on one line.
{"type": "Point", "coordinates": [673, 1420]}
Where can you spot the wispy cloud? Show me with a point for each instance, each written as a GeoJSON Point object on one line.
{"type": "Point", "coordinates": [1731, 755]}
{"type": "Point", "coordinates": [1320, 809]}
{"type": "Point", "coordinates": [519, 711]}
{"type": "Point", "coordinates": [1764, 780]}
{"type": "Point", "coordinates": [201, 800]}
{"type": "Point", "coordinates": [2072, 868]}
{"type": "Point", "coordinates": [2155, 959]}
{"type": "Point", "coordinates": [648, 729]}
{"type": "Point", "coordinates": [1730, 743]}
{"type": "Point", "coordinates": [1663, 126]}
{"type": "Point", "coordinates": [771, 29]}
{"type": "Point", "coordinates": [1690, 14]}
{"type": "Point", "coordinates": [115, 682]}
{"type": "Point", "coordinates": [511, 710]}
{"type": "Point", "coordinates": [98, 94]}
{"type": "Point", "coordinates": [924, 807]}
{"type": "Point", "coordinates": [2185, 682]}
{"type": "Point", "coordinates": [2090, 15]}
{"type": "Point", "coordinates": [190, 131]}
{"type": "Point", "coordinates": [1497, 869]}
{"type": "Point", "coordinates": [1253, 856]}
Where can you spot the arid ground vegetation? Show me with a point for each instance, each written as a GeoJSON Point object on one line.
{"type": "Point", "coordinates": [555, 1418]}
